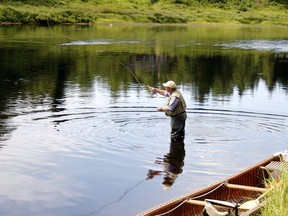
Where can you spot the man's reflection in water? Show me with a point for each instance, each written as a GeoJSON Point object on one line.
{"type": "Point", "coordinates": [172, 162]}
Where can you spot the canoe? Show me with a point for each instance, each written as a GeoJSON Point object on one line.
{"type": "Point", "coordinates": [241, 194]}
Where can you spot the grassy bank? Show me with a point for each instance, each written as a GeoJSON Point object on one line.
{"type": "Point", "coordinates": [143, 11]}
{"type": "Point", "coordinates": [277, 199]}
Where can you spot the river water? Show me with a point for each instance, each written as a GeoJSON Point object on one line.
{"type": "Point", "coordinates": [79, 131]}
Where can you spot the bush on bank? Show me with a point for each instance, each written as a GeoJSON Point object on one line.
{"type": "Point", "coordinates": [143, 11]}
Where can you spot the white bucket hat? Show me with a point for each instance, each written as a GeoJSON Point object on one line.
{"type": "Point", "coordinates": [170, 84]}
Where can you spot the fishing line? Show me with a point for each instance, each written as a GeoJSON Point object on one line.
{"type": "Point", "coordinates": [48, 24]}
{"type": "Point", "coordinates": [50, 29]}
{"type": "Point", "coordinates": [125, 193]}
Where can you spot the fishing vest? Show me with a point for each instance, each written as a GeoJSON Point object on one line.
{"type": "Point", "coordinates": [180, 108]}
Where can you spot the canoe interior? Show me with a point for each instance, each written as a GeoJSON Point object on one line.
{"type": "Point", "coordinates": [253, 176]}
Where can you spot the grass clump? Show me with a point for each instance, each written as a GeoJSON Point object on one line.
{"type": "Point", "coordinates": [277, 198]}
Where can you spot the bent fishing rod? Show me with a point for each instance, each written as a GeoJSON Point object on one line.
{"type": "Point", "coordinates": [136, 78]}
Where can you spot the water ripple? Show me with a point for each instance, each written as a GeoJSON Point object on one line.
{"type": "Point", "coordinates": [93, 152]}
{"type": "Point", "coordinates": [125, 129]}
{"type": "Point", "coordinates": [97, 42]}
{"type": "Point", "coordinates": [261, 45]}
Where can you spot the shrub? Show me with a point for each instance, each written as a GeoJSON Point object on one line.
{"type": "Point", "coordinates": [11, 15]}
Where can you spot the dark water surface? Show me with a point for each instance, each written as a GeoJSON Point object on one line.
{"type": "Point", "coordinates": [80, 136]}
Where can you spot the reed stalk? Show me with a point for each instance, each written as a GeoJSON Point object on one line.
{"type": "Point", "coordinates": [277, 198]}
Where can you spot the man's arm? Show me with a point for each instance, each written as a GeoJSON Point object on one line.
{"type": "Point", "coordinates": [158, 91]}
{"type": "Point", "coordinates": [171, 106]}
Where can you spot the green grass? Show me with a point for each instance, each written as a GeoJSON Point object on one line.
{"type": "Point", "coordinates": [143, 11]}
{"type": "Point", "coordinates": [277, 199]}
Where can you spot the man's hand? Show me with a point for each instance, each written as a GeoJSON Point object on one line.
{"type": "Point", "coordinates": [152, 89]}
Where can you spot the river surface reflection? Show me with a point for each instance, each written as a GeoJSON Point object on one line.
{"type": "Point", "coordinates": [79, 131]}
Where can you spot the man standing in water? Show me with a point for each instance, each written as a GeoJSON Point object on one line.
{"type": "Point", "coordinates": [175, 108]}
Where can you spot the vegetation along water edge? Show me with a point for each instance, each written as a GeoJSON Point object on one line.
{"type": "Point", "coordinates": [41, 12]}
{"type": "Point", "coordinates": [277, 199]}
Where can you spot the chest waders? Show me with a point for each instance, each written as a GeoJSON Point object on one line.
{"type": "Point", "coordinates": [178, 117]}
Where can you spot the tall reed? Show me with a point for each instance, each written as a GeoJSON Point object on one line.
{"type": "Point", "coordinates": [277, 199]}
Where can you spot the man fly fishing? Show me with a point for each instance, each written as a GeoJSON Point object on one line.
{"type": "Point", "coordinates": [175, 108]}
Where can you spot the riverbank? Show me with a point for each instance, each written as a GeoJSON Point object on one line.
{"type": "Point", "coordinates": [142, 11]}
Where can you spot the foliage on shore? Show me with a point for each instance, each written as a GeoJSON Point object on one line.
{"type": "Point", "coordinates": [143, 11]}
{"type": "Point", "coordinates": [276, 202]}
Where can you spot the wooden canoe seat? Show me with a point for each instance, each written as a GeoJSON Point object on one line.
{"type": "Point", "coordinates": [275, 165]}
{"type": "Point", "coordinates": [274, 168]}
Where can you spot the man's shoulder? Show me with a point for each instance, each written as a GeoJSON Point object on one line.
{"type": "Point", "coordinates": [176, 93]}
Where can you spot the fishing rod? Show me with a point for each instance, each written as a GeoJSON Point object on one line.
{"type": "Point", "coordinates": [153, 93]}
{"type": "Point", "coordinates": [131, 72]}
